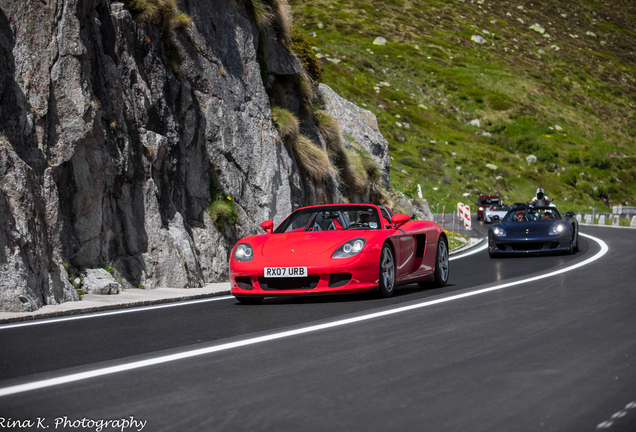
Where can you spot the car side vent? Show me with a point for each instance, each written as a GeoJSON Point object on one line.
{"type": "Point", "coordinates": [339, 279]}
{"type": "Point", "coordinates": [244, 282]}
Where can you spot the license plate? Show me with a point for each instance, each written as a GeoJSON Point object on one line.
{"type": "Point", "coordinates": [285, 271]}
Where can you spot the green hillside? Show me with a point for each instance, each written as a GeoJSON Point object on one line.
{"type": "Point", "coordinates": [555, 79]}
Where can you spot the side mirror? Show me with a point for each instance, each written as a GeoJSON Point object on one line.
{"type": "Point", "coordinates": [268, 226]}
{"type": "Point", "coordinates": [400, 219]}
{"type": "Point", "coordinates": [495, 218]}
{"type": "Point", "coordinates": [569, 215]}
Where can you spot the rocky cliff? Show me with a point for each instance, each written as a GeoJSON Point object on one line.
{"type": "Point", "coordinates": [109, 153]}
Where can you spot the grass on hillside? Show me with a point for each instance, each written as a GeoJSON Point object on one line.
{"type": "Point", "coordinates": [564, 96]}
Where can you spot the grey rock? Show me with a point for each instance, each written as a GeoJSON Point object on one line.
{"type": "Point", "coordinates": [99, 281]}
{"type": "Point", "coordinates": [478, 39]}
{"type": "Point", "coordinates": [361, 124]}
{"type": "Point", "coordinates": [380, 41]}
{"type": "Point", "coordinates": [531, 159]}
{"type": "Point", "coordinates": [107, 155]}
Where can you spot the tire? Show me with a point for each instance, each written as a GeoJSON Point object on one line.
{"type": "Point", "coordinates": [576, 241]}
{"type": "Point", "coordinates": [249, 300]}
{"type": "Point", "coordinates": [386, 283]}
{"type": "Point", "coordinates": [441, 264]}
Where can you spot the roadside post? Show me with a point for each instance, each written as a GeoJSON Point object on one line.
{"type": "Point", "coordinates": [443, 215]}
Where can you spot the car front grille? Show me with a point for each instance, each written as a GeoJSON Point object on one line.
{"type": "Point", "coordinates": [528, 246]}
{"type": "Point", "coordinates": [295, 283]}
{"type": "Point", "coordinates": [339, 279]}
{"type": "Point", "coordinates": [244, 282]}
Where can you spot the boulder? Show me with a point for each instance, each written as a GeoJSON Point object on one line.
{"type": "Point", "coordinates": [99, 281]}
{"type": "Point", "coordinates": [531, 159]}
{"type": "Point", "coordinates": [380, 41]}
{"type": "Point", "coordinates": [478, 39]}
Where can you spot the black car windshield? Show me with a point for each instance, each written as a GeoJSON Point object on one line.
{"type": "Point", "coordinates": [331, 218]}
{"type": "Point", "coordinates": [488, 201]}
{"type": "Point", "coordinates": [532, 215]}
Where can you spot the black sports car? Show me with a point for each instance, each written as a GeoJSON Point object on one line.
{"type": "Point", "coordinates": [526, 229]}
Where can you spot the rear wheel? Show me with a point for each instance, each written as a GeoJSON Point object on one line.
{"type": "Point", "coordinates": [387, 272]}
{"type": "Point", "coordinates": [249, 300]}
{"type": "Point", "coordinates": [441, 263]}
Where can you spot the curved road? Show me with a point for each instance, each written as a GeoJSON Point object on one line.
{"type": "Point", "coordinates": [489, 352]}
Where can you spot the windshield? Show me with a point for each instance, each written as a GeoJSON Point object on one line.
{"type": "Point", "coordinates": [488, 201]}
{"type": "Point", "coordinates": [332, 218]}
{"type": "Point", "coordinates": [532, 215]}
{"type": "Point", "coordinates": [499, 208]}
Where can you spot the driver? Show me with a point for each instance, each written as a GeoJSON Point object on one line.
{"type": "Point", "coordinates": [520, 215]}
{"type": "Point", "coordinates": [365, 217]}
{"type": "Point", "coordinates": [540, 200]}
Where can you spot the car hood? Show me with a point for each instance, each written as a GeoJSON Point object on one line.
{"type": "Point", "coordinates": [306, 243]}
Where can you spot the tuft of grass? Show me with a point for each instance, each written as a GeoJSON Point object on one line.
{"type": "Point", "coordinates": [223, 212]}
{"type": "Point", "coordinates": [180, 22]}
{"type": "Point", "coordinates": [312, 159]}
{"type": "Point", "coordinates": [165, 15]}
{"type": "Point", "coordinates": [330, 130]}
{"type": "Point", "coordinates": [286, 123]}
{"type": "Point", "coordinates": [109, 268]}
{"type": "Point", "coordinates": [354, 172]}
{"type": "Point", "coordinates": [301, 46]}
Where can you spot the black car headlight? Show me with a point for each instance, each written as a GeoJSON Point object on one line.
{"type": "Point", "coordinates": [350, 248]}
{"type": "Point", "coordinates": [499, 231]}
{"type": "Point", "coordinates": [557, 229]}
{"type": "Point", "coordinates": [243, 252]}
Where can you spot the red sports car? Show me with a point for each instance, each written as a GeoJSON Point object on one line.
{"type": "Point", "coordinates": [338, 248]}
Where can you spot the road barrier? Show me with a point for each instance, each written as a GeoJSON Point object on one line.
{"type": "Point", "coordinates": [464, 215]}
{"type": "Point", "coordinates": [601, 219]}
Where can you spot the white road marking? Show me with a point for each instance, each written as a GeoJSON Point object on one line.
{"type": "Point", "coordinates": [472, 251]}
{"type": "Point", "coordinates": [115, 312]}
{"type": "Point", "coordinates": [37, 385]}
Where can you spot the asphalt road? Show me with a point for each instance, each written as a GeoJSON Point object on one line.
{"type": "Point", "coordinates": [489, 352]}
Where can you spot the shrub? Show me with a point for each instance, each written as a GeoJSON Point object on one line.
{"type": "Point", "coordinates": [286, 122]}
{"type": "Point", "coordinates": [312, 159]}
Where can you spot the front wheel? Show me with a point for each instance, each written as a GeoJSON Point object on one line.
{"type": "Point", "coordinates": [441, 263]}
{"type": "Point", "coordinates": [386, 284]}
{"type": "Point", "coordinates": [576, 241]}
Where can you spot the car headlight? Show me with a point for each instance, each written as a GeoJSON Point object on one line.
{"type": "Point", "coordinates": [499, 231]}
{"type": "Point", "coordinates": [557, 229]}
{"type": "Point", "coordinates": [243, 252]}
{"type": "Point", "coordinates": [350, 248]}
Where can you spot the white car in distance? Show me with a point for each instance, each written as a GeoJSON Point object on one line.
{"type": "Point", "coordinates": [495, 209]}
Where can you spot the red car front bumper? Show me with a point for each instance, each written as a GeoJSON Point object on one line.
{"type": "Point", "coordinates": [350, 275]}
